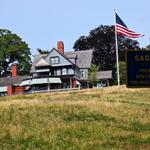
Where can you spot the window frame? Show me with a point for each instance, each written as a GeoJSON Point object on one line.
{"type": "Point", "coordinates": [54, 60]}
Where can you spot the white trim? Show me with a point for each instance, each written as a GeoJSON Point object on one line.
{"type": "Point", "coordinates": [3, 89]}
{"type": "Point", "coordinates": [45, 80]}
{"type": "Point", "coordinates": [25, 82]}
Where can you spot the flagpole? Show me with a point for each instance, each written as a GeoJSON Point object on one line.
{"type": "Point", "coordinates": [117, 56]}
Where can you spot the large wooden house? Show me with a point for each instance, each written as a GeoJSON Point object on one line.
{"type": "Point", "coordinates": [55, 70]}
{"type": "Point", "coordinates": [59, 69]}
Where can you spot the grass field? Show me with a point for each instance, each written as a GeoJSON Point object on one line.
{"type": "Point", "coordinates": [109, 118]}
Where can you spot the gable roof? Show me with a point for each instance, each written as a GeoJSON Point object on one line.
{"type": "Point", "coordinates": [83, 58]}
{"type": "Point", "coordinates": [37, 58]}
{"type": "Point", "coordinates": [42, 62]}
{"type": "Point", "coordinates": [63, 55]}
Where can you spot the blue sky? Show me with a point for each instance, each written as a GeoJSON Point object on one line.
{"type": "Point", "coordinates": [41, 23]}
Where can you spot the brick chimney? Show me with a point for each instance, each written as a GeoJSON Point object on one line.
{"type": "Point", "coordinates": [60, 47]}
{"type": "Point", "coordinates": [14, 70]}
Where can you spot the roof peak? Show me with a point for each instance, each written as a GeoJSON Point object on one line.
{"type": "Point", "coordinates": [41, 62]}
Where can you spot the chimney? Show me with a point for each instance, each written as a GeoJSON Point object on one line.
{"type": "Point", "coordinates": [60, 47]}
{"type": "Point", "coordinates": [14, 70]}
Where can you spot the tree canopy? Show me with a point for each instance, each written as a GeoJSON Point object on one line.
{"type": "Point", "coordinates": [13, 50]}
{"type": "Point", "coordinates": [148, 47]}
{"type": "Point", "coordinates": [42, 51]}
{"type": "Point", "coordinates": [122, 70]}
{"type": "Point", "coordinates": [102, 41]}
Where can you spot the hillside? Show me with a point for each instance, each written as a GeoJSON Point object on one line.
{"type": "Point", "coordinates": [108, 118]}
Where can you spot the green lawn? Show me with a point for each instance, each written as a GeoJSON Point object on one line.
{"type": "Point", "coordinates": [109, 118]}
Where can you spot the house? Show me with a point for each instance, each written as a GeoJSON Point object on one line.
{"type": "Point", "coordinates": [56, 70]}
{"type": "Point", "coordinates": [62, 70]}
{"type": "Point", "coordinates": [11, 85]}
{"type": "Point", "coordinates": [59, 69]}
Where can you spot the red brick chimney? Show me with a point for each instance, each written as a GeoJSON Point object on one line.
{"type": "Point", "coordinates": [60, 47]}
{"type": "Point", "coordinates": [14, 70]}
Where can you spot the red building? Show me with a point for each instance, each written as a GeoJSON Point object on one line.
{"type": "Point", "coordinates": [11, 85]}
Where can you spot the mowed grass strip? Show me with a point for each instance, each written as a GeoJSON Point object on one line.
{"type": "Point", "coordinates": [108, 118]}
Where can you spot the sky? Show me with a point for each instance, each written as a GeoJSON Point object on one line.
{"type": "Point", "coordinates": [41, 23]}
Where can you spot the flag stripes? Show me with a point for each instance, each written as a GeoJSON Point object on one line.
{"type": "Point", "coordinates": [127, 32]}
{"type": "Point", "coordinates": [123, 29]}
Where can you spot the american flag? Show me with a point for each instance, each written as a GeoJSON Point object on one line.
{"type": "Point", "coordinates": [122, 28]}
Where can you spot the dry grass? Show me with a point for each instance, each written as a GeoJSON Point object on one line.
{"type": "Point", "coordinates": [108, 118]}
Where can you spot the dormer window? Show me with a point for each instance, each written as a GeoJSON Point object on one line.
{"type": "Point", "coordinates": [54, 60]}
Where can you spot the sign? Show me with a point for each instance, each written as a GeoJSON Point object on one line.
{"type": "Point", "coordinates": [138, 68]}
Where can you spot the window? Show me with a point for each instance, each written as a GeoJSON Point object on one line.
{"type": "Point", "coordinates": [54, 60]}
{"type": "Point", "coordinates": [64, 71]}
{"type": "Point", "coordinates": [82, 73]}
{"type": "Point", "coordinates": [70, 71]}
{"type": "Point", "coordinates": [58, 72]}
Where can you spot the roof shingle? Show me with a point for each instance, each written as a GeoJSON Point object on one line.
{"type": "Point", "coordinates": [5, 81]}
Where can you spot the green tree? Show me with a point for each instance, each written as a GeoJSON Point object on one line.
{"type": "Point", "coordinates": [122, 71]}
{"type": "Point", "coordinates": [148, 47]}
{"type": "Point", "coordinates": [92, 72]}
{"type": "Point", "coordinates": [102, 41]}
{"type": "Point", "coordinates": [41, 51]}
{"type": "Point", "coordinates": [13, 50]}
